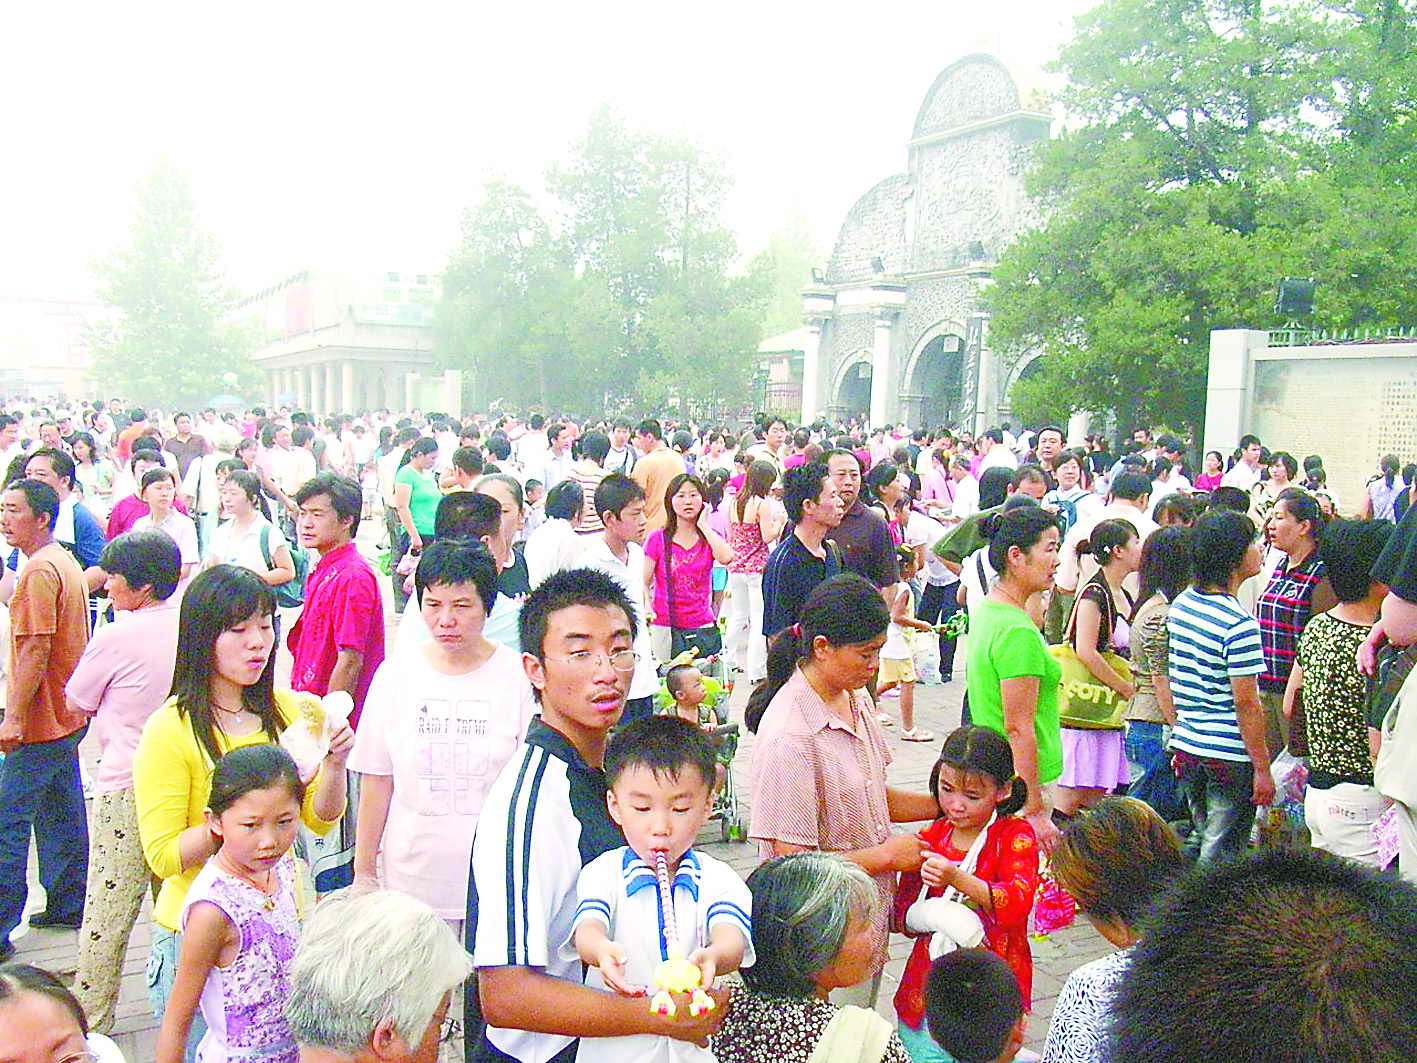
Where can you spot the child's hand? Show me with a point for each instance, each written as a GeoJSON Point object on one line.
{"type": "Point", "coordinates": [611, 958]}
{"type": "Point", "coordinates": [937, 870]}
{"type": "Point", "coordinates": [341, 745]}
{"type": "Point", "coordinates": [707, 963]}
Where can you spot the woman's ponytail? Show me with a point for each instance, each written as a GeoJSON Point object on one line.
{"type": "Point", "coordinates": [1018, 797]}
{"type": "Point", "coordinates": [785, 650]}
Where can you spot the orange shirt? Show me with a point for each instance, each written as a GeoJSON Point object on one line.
{"type": "Point", "coordinates": [50, 600]}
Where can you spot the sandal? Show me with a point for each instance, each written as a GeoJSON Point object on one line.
{"type": "Point", "coordinates": [916, 734]}
{"type": "Point", "coordinates": [885, 719]}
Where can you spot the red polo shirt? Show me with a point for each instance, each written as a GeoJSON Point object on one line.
{"type": "Point", "coordinates": [343, 611]}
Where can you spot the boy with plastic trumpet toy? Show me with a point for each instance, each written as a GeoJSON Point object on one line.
{"type": "Point", "coordinates": [656, 912]}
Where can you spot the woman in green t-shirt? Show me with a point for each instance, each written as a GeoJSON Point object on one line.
{"type": "Point", "coordinates": [416, 493]}
{"type": "Point", "coordinates": [1013, 680]}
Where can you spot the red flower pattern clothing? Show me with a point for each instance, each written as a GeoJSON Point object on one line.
{"type": "Point", "coordinates": [1008, 862]}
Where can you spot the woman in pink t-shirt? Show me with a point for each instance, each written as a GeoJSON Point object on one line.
{"type": "Point", "coordinates": [679, 561]}
{"type": "Point", "coordinates": [123, 676]}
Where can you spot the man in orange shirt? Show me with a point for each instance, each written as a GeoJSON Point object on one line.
{"type": "Point", "coordinates": [137, 425]}
{"type": "Point", "coordinates": [40, 791]}
{"type": "Point", "coordinates": [654, 470]}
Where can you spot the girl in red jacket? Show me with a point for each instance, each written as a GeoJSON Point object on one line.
{"type": "Point", "coordinates": [979, 878]}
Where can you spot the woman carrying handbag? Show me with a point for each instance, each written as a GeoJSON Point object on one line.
{"type": "Point", "coordinates": [679, 560]}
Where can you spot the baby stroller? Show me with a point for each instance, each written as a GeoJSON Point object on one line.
{"type": "Point", "coordinates": [713, 718]}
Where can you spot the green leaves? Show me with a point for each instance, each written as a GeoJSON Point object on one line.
{"type": "Point", "coordinates": [628, 294]}
{"type": "Point", "coordinates": [168, 339]}
{"type": "Point", "coordinates": [1211, 148]}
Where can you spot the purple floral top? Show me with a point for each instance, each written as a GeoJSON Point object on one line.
{"type": "Point", "coordinates": [243, 1004]}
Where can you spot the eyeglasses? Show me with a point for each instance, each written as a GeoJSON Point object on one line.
{"type": "Point", "coordinates": [79, 1057]}
{"type": "Point", "coordinates": [587, 660]}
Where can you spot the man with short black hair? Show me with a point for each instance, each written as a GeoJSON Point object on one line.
{"type": "Point", "coordinates": [996, 486]}
{"type": "Point", "coordinates": [804, 557]}
{"type": "Point", "coordinates": [862, 534]}
{"type": "Point", "coordinates": [619, 552]}
{"type": "Point", "coordinates": [1285, 955]}
{"type": "Point", "coordinates": [558, 463]}
{"type": "Point", "coordinates": [654, 470]}
{"type": "Point", "coordinates": [186, 446]}
{"type": "Point", "coordinates": [995, 452]}
{"type": "Point", "coordinates": [40, 791]}
{"type": "Point", "coordinates": [543, 820]}
{"type": "Point", "coordinates": [1246, 472]}
{"type": "Point", "coordinates": [621, 456]}
{"type": "Point", "coordinates": [338, 641]}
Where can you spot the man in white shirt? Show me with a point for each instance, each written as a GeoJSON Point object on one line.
{"type": "Point", "coordinates": [1246, 472]}
{"type": "Point", "coordinates": [622, 456]}
{"type": "Point", "coordinates": [387, 468]}
{"type": "Point", "coordinates": [1130, 501]}
{"type": "Point", "coordinates": [618, 552]}
{"type": "Point", "coordinates": [531, 447]}
{"type": "Point", "coordinates": [999, 454]}
{"type": "Point", "coordinates": [558, 460]}
{"type": "Point", "coordinates": [10, 446]}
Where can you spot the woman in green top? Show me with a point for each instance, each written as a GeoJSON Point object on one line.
{"type": "Point", "coordinates": [416, 494]}
{"type": "Point", "coordinates": [1013, 680]}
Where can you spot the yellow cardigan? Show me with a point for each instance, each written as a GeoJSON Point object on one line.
{"type": "Point", "coordinates": [172, 782]}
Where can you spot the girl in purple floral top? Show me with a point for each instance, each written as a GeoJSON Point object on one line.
{"type": "Point", "coordinates": [240, 923]}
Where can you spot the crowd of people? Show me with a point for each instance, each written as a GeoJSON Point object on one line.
{"type": "Point", "coordinates": [464, 824]}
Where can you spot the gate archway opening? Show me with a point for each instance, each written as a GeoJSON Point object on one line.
{"type": "Point", "coordinates": [853, 392]}
{"type": "Point", "coordinates": [939, 381]}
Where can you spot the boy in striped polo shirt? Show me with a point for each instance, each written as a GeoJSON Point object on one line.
{"type": "Point", "coordinates": [1214, 660]}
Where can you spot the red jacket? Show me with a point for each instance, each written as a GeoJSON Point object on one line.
{"type": "Point", "coordinates": [1009, 863]}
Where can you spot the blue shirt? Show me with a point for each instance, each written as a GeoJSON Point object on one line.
{"type": "Point", "coordinates": [791, 573]}
{"type": "Point", "coordinates": [1211, 641]}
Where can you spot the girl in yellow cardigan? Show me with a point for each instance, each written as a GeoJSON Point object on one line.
{"type": "Point", "coordinates": [223, 698]}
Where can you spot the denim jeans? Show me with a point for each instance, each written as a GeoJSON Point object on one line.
{"type": "Point", "coordinates": [161, 973]}
{"type": "Point", "coordinates": [1217, 792]}
{"type": "Point", "coordinates": [1153, 781]}
{"type": "Point", "coordinates": [40, 793]}
{"type": "Point", "coordinates": [937, 605]}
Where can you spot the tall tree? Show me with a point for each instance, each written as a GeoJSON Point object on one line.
{"type": "Point", "coordinates": [169, 338]}
{"type": "Point", "coordinates": [1210, 148]}
{"type": "Point", "coordinates": [629, 297]}
{"type": "Point", "coordinates": [790, 255]}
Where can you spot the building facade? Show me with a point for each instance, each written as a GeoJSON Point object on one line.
{"type": "Point", "coordinates": [895, 332]}
{"type": "Point", "coordinates": [351, 342]}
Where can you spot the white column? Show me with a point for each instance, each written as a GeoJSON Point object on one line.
{"type": "Point", "coordinates": [1228, 383]}
{"type": "Point", "coordinates": [302, 387]}
{"type": "Point", "coordinates": [986, 392]}
{"type": "Point", "coordinates": [1078, 424]}
{"type": "Point", "coordinates": [332, 389]}
{"type": "Point", "coordinates": [410, 391]}
{"type": "Point", "coordinates": [346, 391]}
{"type": "Point", "coordinates": [811, 372]}
{"type": "Point", "coordinates": [881, 380]}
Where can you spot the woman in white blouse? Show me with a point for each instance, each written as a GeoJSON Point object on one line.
{"type": "Point", "coordinates": [159, 490]}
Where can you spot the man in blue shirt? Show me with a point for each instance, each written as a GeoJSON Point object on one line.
{"type": "Point", "coordinates": [804, 557]}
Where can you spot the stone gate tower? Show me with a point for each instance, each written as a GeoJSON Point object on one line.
{"type": "Point", "coordinates": [895, 332]}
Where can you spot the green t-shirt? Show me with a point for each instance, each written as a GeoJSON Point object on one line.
{"type": "Point", "coordinates": [1004, 644]}
{"type": "Point", "coordinates": [423, 498]}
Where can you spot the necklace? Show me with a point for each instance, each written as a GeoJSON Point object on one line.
{"type": "Point", "coordinates": [267, 892]}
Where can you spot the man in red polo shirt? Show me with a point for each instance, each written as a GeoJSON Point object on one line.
{"type": "Point", "coordinates": [338, 642]}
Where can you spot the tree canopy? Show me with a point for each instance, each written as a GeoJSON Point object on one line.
{"type": "Point", "coordinates": [625, 290]}
{"type": "Point", "coordinates": [168, 336]}
{"type": "Point", "coordinates": [1210, 148]}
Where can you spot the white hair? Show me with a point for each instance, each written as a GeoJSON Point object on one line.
{"type": "Point", "coordinates": [379, 957]}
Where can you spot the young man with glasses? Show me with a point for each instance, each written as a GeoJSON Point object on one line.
{"type": "Point", "coordinates": [543, 820]}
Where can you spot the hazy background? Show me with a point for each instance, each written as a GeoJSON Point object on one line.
{"type": "Point", "coordinates": [353, 134]}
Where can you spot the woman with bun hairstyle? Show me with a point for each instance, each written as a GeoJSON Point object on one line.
{"type": "Point", "coordinates": [819, 763]}
{"type": "Point", "coordinates": [1094, 763]}
{"type": "Point", "coordinates": [1013, 679]}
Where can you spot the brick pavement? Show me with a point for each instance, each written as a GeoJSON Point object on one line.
{"type": "Point", "coordinates": [937, 709]}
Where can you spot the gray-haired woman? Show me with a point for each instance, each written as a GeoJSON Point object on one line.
{"type": "Point", "coordinates": [813, 920]}
{"type": "Point", "coordinates": [374, 979]}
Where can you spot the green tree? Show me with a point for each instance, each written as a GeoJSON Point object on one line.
{"type": "Point", "coordinates": [628, 297]}
{"type": "Point", "coordinates": [790, 255]}
{"type": "Point", "coordinates": [169, 338]}
{"type": "Point", "coordinates": [1211, 147]}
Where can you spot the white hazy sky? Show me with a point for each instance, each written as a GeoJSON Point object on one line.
{"type": "Point", "coordinates": [353, 135]}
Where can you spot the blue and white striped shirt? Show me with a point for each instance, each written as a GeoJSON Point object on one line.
{"type": "Point", "coordinates": [1212, 640]}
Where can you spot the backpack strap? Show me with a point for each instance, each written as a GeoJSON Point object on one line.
{"type": "Point", "coordinates": [266, 546]}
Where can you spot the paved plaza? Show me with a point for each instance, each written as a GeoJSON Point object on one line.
{"type": "Point", "coordinates": [937, 709]}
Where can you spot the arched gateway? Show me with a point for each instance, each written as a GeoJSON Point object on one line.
{"type": "Point", "coordinates": [894, 325]}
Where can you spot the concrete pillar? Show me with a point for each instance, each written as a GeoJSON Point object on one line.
{"type": "Point", "coordinates": [811, 372]}
{"type": "Point", "coordinates": [1078, 425]}
{"type": "Point", "coordinates": [986, 396]}
{"type": "Point", "coordinates": [881, 380]}
{"type": "Point", "coordinates": [332, 389]}
{"type": "Point", "coordinates": [410, 391]}
{"type": "Point", "coordinates": [1229, 380]}
{"type": "Point", "coordinates": [302, 387]}
{"type": "Point", "coordinates": [393, 390]}
{"type": "Point", "coordinates": [346, 390]}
